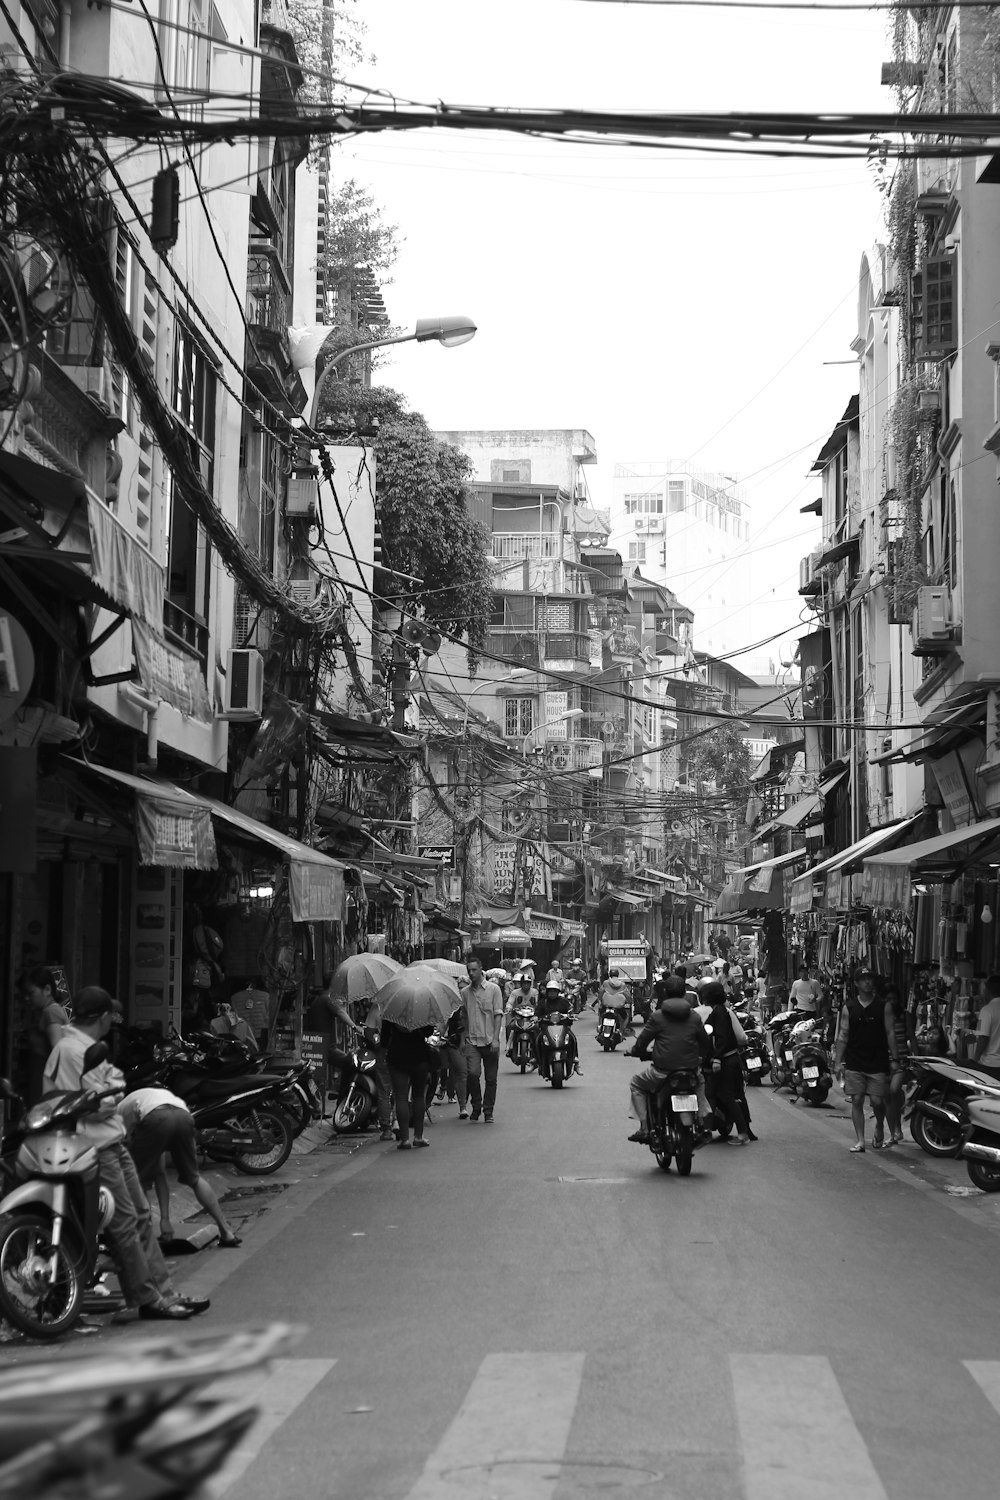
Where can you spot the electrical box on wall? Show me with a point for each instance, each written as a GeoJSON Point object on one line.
{"type": "Point", "coordinates": [302, 493]}
{"type": "Point", "coordinates": [243, 694]}
{"type": "Point", "coordinates": [932, 627]}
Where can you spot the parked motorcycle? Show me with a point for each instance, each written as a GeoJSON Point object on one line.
{"type": "Point", "coordinates": [609, 1031]}
{"type": "Point", "coordinates": [938, 1106]}
{"type": "Point", "coordinates": [782, 1051]}
{"type": "Point", "coordinates": [240, 1119]}
{"type": "Point", "coordinates": [673, 1132]}
{"type": "Point", "coordinates": [754, 1052]}
{"type": "Point", "coordinates": [812, 1072]}
{"type": "Point", "coordinates": [980, 1146]}
{"type": "Point", "coordinates": [357, 1087]}
{"type": "Point", "coordinates": [137, 1424]}
{"type": "Point", "coordinates": [52, 1211]}
{"type": "Point", "coordinates": [523, 1034]}
{"type": "Point", "coordinates": [556, 1047]}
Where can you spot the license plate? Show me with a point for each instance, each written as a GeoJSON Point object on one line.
{"type": "Point", "coordinates": [753, 1062]}
{"type": "Point", "coordinates": [684, 1103]}
{"type": "Point", "coordinates": [810, 1072]}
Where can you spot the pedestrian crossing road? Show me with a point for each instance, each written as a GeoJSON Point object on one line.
{"type": "Point", "coordinates": [513, 1437]}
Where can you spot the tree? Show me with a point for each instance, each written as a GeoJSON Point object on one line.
{"type": "Point", "coordinates": [330, 26]}
{"type": "Point", "coordinates": [423, 507]}
{"type": "Point", "coordinates": [723, 756]}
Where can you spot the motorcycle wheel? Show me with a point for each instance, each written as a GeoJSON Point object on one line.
{"type": "Point", "coordinates": [663, 1160]}
{"type": "Point", "coordinates": [685, 1156]}
{"type": "Point", "coordinates": [816, 1097]}
{"type": "Point", "coordinates": [353, 1111]}
{"type": "Point", "coordinates": [295, 1112]}
{"type": "Point", "coordinates": [984, 1175]}
{"type": "Point", "coordinates": [606, 1044]}
{"type": "Point", "coordinates": [935, 1136]}
{"type": "Point", "coordinates": [556, 1075]}
{"type": "Point", "coordinates": [49, 1314]}
{"type": "Point", "coordinates": [523, 1066]}
{"type": "Point", "coordinates": [274, 1126]}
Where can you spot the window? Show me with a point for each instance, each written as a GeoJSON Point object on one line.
{"type": "Point", "coordinates": [675, 496]}
{"type": "Point", "coordinates": [519, 716]}
{"type": "Point", "coordinates": [188, 548]}
{"type": "Point", "coordinates": [510, 476]}
{"type": "Point", "coordinates": [637, 552]}
{"type": "Point", "coordinates": [932, 308]}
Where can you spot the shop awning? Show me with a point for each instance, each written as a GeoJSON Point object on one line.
{"type": "Point", "coordinates": [754, 887]}
{"type": "Point", "coordinates": [800, 812]}
{"type": "Point", "coordinates": [170, 833]}
{"type": "Point", "coordinates": [627, 898]}
{"type": "Point", "coordinates": [774, 759]}
{"type": "Point", "coordinates": [888, 877]}
{"type": "Point", "coordinates": [848, 860]}
{"type": "Point", "coordinates": [660, 876]}
{"type": "Point", "coordinates": [935, 739]}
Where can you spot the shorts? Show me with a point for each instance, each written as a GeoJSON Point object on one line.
{"type": "Point", "coordinates": [857, 1085]}
{"type": "Point", "coordinates": [165, 1128]}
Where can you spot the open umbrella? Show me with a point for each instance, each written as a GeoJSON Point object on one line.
{"type": "Point", "coordinates": [362, 976]}
{"type": "Point", "coordinates": [418, 997]}
{"type": "Point", "coordinates": [443, 966]}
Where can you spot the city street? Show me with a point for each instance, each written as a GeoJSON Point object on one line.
{"type": "Point", "coordinates": [534, 1310]}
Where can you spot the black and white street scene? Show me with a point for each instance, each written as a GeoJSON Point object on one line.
{"type": "Point", "coordinates": [499, 750]}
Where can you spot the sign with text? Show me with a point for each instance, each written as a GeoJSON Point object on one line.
{"type": "Point", "coordinates": [443, 853]}
{"type": "Point", "coordinates": [531, 872]}
{"type": "Point", "coordinates": [629, 956]}
{"type": "Point", "coordinates": [556, 723]}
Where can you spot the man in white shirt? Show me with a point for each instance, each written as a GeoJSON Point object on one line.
{"type": "Point", "coordinates": [484, 1004]}
{"type": "Point", "coordinates": [144, 1276]}
{"type": "Point", "coordinates": [805, 992]}
{"type": "Point", "coordinates": [987, 1054]}
{"type": "Point", "coordinates": [157, 1121]}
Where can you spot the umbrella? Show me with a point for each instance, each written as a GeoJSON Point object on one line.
{"type": "Point", "coordinates": [497, 974]}
{"type": "Point", "coordinates": [419, 997]}
{"type": "Point", "coordinates": [362, 976]}
{"type": "Point", "coordinates": [443, 966]}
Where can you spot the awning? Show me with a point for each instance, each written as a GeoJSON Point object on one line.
{"type": "Point", "coordinates": [627, 898]}
{"type": "Point", "coordinates": [754, 888]}
{"type": "Point", "coordinates": [799, 812]}
{"type": "Point", "coordinates": [316, 880]}
{"type": "Point", "coordinates": [660, 876]}
{"type": "Point", "coordinates": [771, 762]}
{"type": "Point", "coordinates": [847, 861]}
{"type": "Point", "coordinates": [888, 877]}
{"type": "Point", "coordinates": [936, 739]}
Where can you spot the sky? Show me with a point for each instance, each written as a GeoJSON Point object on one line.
{"type": "Point", "coordinates": [677, 305]}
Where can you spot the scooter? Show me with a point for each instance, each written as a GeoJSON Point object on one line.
{"type": "Point", "coordinates": [52, 1211]}
{"type": "Point", "coordinates": [754, 1052]}
{"type": "Point", "coordinates": [609, 1031]}
{"type": "Point", "coordinates": [523, 1034]}
{"type": "Point", "coordinates": [137, 1423]}
{"type": "Point", "coordinates": [938, 1107]}
{"type": "Point", "coordinates": [812, 1074]}
{"type": "Point", "coordinates": [674, 1133]}
{"type": "Point", "coordinates": [357, 1088]}
{"type": "Point", "coordinates": [980, 1146]}
{"type": "Point", "coordinates": [556, 1048]}
{"type": "Point", "coordinates": [782, 1051]}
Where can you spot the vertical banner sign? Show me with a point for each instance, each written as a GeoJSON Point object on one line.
{"type": "Point", "coordinates": [556, 725]}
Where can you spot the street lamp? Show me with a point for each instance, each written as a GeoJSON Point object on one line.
{"type": "Point", "coordinates": [573, 713]}
{"type": "Point", "coordinates": [447, 331]}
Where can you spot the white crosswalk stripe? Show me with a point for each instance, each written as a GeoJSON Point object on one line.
{"type": "Point", "coordinates": [986, 1374]}
{"type": "Point", "coordinates": [510, 1433]}
{"type": "Point", "coordinates": [798, 1437]}
{"type": "Point", "coordinates": [277, 1394]}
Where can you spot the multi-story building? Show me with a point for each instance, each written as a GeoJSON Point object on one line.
{"type": "Point", "coordinates": [685, 528]}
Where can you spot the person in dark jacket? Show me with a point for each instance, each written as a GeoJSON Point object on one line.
{"type": "Point", "coordinates": [676, 1040]}
{"type": "Point", "coordinates": [727, 1069]}
{"type": "Point", "coordinates": [409, 1055]}
{"type": "Point", "coordinates": [861, 1059]}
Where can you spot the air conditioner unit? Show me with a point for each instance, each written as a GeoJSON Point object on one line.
{"type": "Point", "coordinates": [243, 694]}
{"type": "Point", "coordinates": [805, 573]}
{"type": "Point", "coordinates": [302, 493]}
{"type": "Point", "coordinates": [655, 523]}
{"type": "Point", "coordinates": [932, 628]}
{"type": "Point", "coordinates": [640, 523]}
{"type": "Point", "coordinates": [559, 757]}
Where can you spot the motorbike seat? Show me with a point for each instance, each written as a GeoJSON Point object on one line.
{"type": "Point", "coordinates": [223, 1088]}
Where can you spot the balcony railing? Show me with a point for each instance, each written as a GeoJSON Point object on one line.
{"type": "Point", "coordinates": [267, 296]}
{"type": "Point", "coordinates": [185, 631]}
{"type": "Point", "coordinates": [509, 546]}
{"type": "Point", "coordinates": [567, 646]}
{"type": "Point", "coordinates": [587, 754]}
{"type": "Point", "coordinates": [520, 646]}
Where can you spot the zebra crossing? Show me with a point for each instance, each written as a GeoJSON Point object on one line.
{"type": "Point", "coordinates": [510, 1439]}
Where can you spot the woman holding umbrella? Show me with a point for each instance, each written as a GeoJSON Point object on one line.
{"type": "Point", "coordinates": [358, 979]}
{"type": "Point", "coordinates": [416, 1006]}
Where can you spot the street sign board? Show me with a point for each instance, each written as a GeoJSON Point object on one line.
{"type": "Point", "coordinates": [443, 853]}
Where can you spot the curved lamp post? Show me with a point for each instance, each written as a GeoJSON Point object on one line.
{"type": "Point", "coordinates": [573, 713]}
{"type": "Point", "coordinates": [447, 331]}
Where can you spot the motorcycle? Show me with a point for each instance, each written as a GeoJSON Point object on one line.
{"type": "Point", "coordinates": [782, 1051]}
{"type": "Point", "coordinates": [523, 1034]}
{"type": "Point", "coordinates": [52, 1212]}
{"type": "Point", "coordinates": [980, 1146]}
{"type": "Point", "coordinates": [812, 1074]}
{"type": "Point", "coordinates": [673, 1132]}
{"type": "Point", "coordinates": [137, 1424]}
{"type": "Point", "coordinates": [556, 1048]}
{"type": "Point", "coordinates": [357, 1087]}
{"type": "Point", "coordinates": [938, 1106]}
{"type": "Point", "coordinates": [609, 1031]}
{"type": "Point", "coordinates": [754, 1052]}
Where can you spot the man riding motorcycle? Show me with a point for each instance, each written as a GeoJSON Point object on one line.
{"type": "Point", "coordinates": [614, 996]}
{"type": "Point", "coordinates": [552, 1001]}
{"type": "Point", "coordinates": [679, 1043]}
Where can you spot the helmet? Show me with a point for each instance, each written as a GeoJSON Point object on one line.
{"type": "Point", "coordinates": [553, 984]}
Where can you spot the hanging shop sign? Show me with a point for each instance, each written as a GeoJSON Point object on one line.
{"type": "Point", "coordinates": [444, 854]}
{"type": "Point", "coordinates": [316, 891]}
{"type": "Point", "coordinates": [315, 1049]}
{"type": "Point", "coordinates": [17, 666]}
{"type": "Point", "coordinates": [955, 774]}
{"type": "Point", "coordinates": [174, 834]}
{"type": "Point", "coordinates": [171, 675]}
{"type": "Point", "coordinates": [536, 928]}
{"type": "Point", "coordinates": [530, 870]}
{"type": "Point", "coordinates": [556, 709]}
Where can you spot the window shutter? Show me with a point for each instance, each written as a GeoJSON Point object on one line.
{"type": "Point", "coordinates": [938, 332]}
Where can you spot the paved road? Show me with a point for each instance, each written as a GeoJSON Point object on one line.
{"type": "Point", "coordinates": [532, 1311]}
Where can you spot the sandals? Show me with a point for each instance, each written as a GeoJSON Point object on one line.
{"type": "Point", "coordinates": [231, 1242]}
{"type": "Point", "coordinates": [858, 1150]}
{"type": "Point", "coordinates": [170, 1312]}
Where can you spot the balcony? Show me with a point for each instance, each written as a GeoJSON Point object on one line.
{"type": "Point", "coordinates": [513, 546]}
{"type": "Point", "coordinates": [268, 296]}
{"type": "Point", "coordinates": [518, 647]}
{"type": "Point", "coordinates": [624, 645]}
{"type": "Point", "coordinates": [566, 646]}
{"type": "Point", "coordinates": [588, 754]}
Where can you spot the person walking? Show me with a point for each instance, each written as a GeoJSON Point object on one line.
{"type": "Point", "coordinates": [861, 1059]}
{"type": "Point", "coordinates": [144, 1277]}
{"type": "Point", "coordinates": [157, 1121]}
{"type": "Point", "coordinates": [484, 1008]}
{"type": "Point", "coordinates": [899, 1031]}
{"type": "Point", "coordinates": [409, 1055]}
{"type": "Point", "coordinates": [805, 993]}
{"type": "Point", "coordinates": [986, 1056]}
{"type": "Point", "coordinates": [455, 1060]}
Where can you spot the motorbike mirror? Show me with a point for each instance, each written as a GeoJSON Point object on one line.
{"type": "Point", "coordinates": [7, 1090]}
{"type": "Point", "coordinates": [710, 1030]}
{"type": "Point", "coordinates": [96, 1053]}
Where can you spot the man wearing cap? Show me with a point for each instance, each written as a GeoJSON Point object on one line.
{"type": "Point", "coordinates": [144, 1276]}
{"type": "Point", "coordinates": [861, 1060]}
